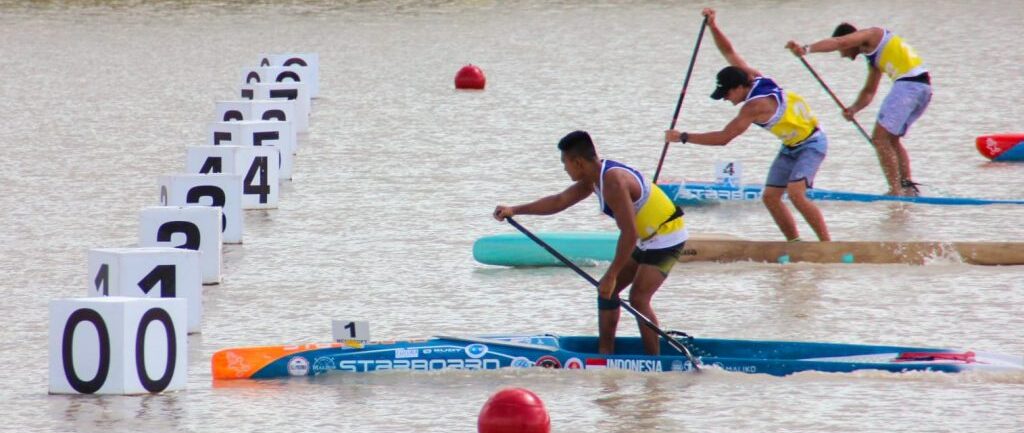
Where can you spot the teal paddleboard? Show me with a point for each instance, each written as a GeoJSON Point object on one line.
{"type": "Point", "coordinates": [515, 249]}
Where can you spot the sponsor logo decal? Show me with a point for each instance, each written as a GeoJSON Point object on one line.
{"type": "Point", "coordinates": [520, 362]}
{"type": "Point", "coordinates": [418, 364]}
{"type": "Point", "coordinates": [476, 350]}
{"type": "Point", "coordinates": [322, 364]}
{"type": "Point", "coordinates": [992, 145]}
{"type": "Point", "coordinates": [734, 194]}
{"type": "Point", "coordinates": [407, 353]}
{"type": "Point", "coordinates": [443, 350]}
{"type": "Point", "coordinates": [298, 366]}
{"type": "Point", "coordinates": [625, 364]}
{"type": "Point", "coordinates": [737, 368]}
{"type": "Point", "coordinates": [237, 364]}
{"type": "Point", "coordinates": [548, 361]}
{"type": "Point", "coordinates": [574, 364]}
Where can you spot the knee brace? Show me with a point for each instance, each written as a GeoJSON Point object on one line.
{"type": "Point", "coordinates": [608, 304]}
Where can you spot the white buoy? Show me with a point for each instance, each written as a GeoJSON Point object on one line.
{"type": "Point", "coordinates": [259, 166]}
{"type": "Point", "coordinates": [149, 272]}
{"type": "Point", "coordinates": [297, 92]}
{"type": "Point", "coordinates": [343, 330]}
{"type": "Point", "coordinates": [281, 74]}
{"type": "Point", "coordinates": [729, 173]}
{"type": "Point", "coordinates": [260, 109]}
{"type": "Point", "coordinates": [117, 345]}
{"type": "Point", "coordinates": [190, 227]}
{"type": "Point", "coordinates": [305, 60]}
{"type": "Point", "coordinates": [220, 190]}
{"type": "Point", "coordinates": [281, 135]}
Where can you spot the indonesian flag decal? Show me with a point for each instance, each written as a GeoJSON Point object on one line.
{"type": "Point", "coordinates": [595, 363]}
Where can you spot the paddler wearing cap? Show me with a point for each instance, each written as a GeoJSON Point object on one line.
{"type": "Point", "coordinates": [782, 113]}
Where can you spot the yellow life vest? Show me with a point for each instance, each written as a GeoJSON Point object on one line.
{"type": "Point", "coordinates": [793, 121]}
{"type": "Point", "coordinates": [654, 220]}
{"type": "Point", "coordinates": [895, 58]}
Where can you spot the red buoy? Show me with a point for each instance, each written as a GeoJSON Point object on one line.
{"type": "Point", "coordinates": [470, 77]}
{"type": "Point", "coordinates": [514, 410]}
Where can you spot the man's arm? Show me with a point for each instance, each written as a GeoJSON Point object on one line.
{"type": "Point", "coordinates": [866, 94]}
{"type": "Point", "coordinates": [855, 39]}
{"type": "Point", "coordinates": [725, 46]}
{"type": "Point", "coordinates": [617, 197]}
{"type": "Point", "coordinates": [738, 125]}
{"type": "Point", "coordinates": [551, 204]}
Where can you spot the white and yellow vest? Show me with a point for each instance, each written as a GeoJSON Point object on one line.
{"type": "Point", "coordinates": [657, 225]}
{"type": "Point", "coordinates": [895, 58]}
{"type": "Point", "coordinates": [793, 121]}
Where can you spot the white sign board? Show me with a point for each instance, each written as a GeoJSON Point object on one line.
{"type": "Point", "coordinates": [117, 345]}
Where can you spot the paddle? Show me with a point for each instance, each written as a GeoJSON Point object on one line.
{"type": "Point", "coordinates": [834, 98]}
{"type": "Point", "coordinates": [682, 94]}
{"type": "Point", "coordinates": [640, 317]}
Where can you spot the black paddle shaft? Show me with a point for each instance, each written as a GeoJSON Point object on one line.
{"type": "Point", "coordinates": [834, 97]}
{"type": "Point", "coordinates": [639, 316]}
{"type": "Point", "coordinates": [682, 94]}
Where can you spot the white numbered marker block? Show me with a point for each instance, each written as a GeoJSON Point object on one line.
{"type": "Point", "coordinates": [350, 330]}
{"type": "Point", "coordinates": [258, 165]}
{"type": "Point", "coordinates": [309, 61]}
{"type": "Point", "coordinates": [149, 272]}
{"type": "Point", "coordinates": [219, 190]}
{"type": "Point", "coordinates": [118, 345]}
{"type": "Point", "coordinates": [282, 110]}
{"type": "Point", "coordinates": [280, 74]}
{"type": "Point", "coordinates": [257, 133]}
{"type": "Point", "coordinates": [188, 227]}
{"type": "Point", "coordinates": [297, 92]}
{"type": "Point", "coordinates": [728, 173]}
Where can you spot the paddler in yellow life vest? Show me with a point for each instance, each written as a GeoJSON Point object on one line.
{"type": "Point", "coordinates": [652, 231]}
{"type": "Point", "coordinates": [909, 97]}
{"type": "Point", "coordinates": [784, 114]}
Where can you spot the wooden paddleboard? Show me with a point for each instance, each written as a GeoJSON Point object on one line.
{"type": "Point", "coordinates": [732, 250]}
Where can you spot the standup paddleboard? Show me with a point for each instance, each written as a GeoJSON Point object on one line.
{"type": "Point", "coordinates": [589, 248]}
{"type": "Point", "coordinates": [701, 193]}
{"type": "Point", "coordinates": [1001, 147]}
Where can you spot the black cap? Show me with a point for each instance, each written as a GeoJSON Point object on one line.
{"type": "Point", "coordinates": [728, 78]}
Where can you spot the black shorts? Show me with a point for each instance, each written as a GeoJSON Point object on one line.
{"type": "Point", "coordinates": [663, 258]}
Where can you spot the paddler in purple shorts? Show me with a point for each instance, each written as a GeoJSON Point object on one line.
{"type": "Point", "coordinates": [907, 100]}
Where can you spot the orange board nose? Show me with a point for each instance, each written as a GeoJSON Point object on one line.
{"type": "Point", "coordinates": [243, 363]}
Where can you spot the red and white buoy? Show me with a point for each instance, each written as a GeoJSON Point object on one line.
{"type": "Point", "coordinates": [514, 410]}
{"type": "Point", "coordinates": [470, 77]}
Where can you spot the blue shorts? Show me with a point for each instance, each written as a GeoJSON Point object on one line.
{"type": "Point", "coordinates": [903, 106]}
{"type": "Point", "coordinates": [798, 163]}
